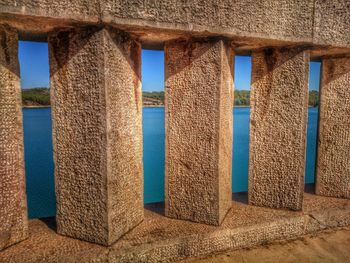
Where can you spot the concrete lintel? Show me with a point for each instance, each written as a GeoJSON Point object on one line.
{"type": "Point", "coordinates": [322, 24]}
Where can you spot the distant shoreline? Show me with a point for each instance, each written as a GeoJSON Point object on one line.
{"type": "Point", "coordinates": [36, 106]}
{"type": "Point", "coordinates": [40, 98]}
{"type": "Point", "coordinates": [49, 106]}
{"type": "Point", "coordinates": [144, 106]}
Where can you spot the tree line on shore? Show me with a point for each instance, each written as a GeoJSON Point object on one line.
{"type": "Point", "coordinates": [41, 97]}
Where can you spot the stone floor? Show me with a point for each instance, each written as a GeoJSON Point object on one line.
{"type": "Point", "coordinates": [160, 239]}
{"type": "Point", "coordinates": [329, 246]}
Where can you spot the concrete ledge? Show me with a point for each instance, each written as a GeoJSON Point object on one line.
{"type": "Point", "coordinates": [160, 239]}
{"type": "Point", "coordinates": [322, 24]}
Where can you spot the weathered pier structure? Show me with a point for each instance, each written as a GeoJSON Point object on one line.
{"type": "Point", "coordinates": [95, 74]}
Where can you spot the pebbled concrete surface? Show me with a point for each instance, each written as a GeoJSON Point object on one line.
{"type": "Point", "coordinates": [333, 159]}
{"type": "Point", "coordinates": [278, 117]}
{"type": "Point", "coordinates": [13, 204]}
{"type": "Point", "coordinates": [161, 239]}
{"type": "Point", "coordinates": [330, 246]}
{"type": "Point", "coordinates": [250, 23]}
{"type": "Point", "coordinates": [198, 130]}
{"type": "Point", "coordinates": [332, 22]}
{"type": "Point", "coordinates": [97, 132]}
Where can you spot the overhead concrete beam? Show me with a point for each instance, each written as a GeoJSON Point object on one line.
{"type": "Point", "coordinates": [332, 23]}
{"type": "Point", "coordinates": [251, 24]}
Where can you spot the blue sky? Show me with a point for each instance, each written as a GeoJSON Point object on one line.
{"type": "Point", "coordinates": [34, 64]}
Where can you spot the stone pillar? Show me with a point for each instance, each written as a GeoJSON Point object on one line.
{"type": "Point", "coordinates": [333, 157]}
{"type": "Point", "coordinates": [13, 203]}
{"type": "Point", "coordinates": [198, 122]}
{"type": "Point", "coordinates": [97, 132]}
{"type": "Point", "coordinates": [279, 104]}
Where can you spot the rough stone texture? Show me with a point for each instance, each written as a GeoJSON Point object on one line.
{"type": "Point", "coordinates": [251, 24]}
{"type": "Point", "coordinates": [161, 239]}
{"type": "Point", "coordinates": [279, 103]}
{"type": "Point", "coordinates": [198, 123]}
{"type": "Point", "coordinates": [82, 10]}
{"type": "Point", "coordinates": [13, 204]}
{"type": "Point", "coordinates": [34, 19]}
{"type": "Point", "coordinates": [330, 245]}
{"type": "Point", "coordinates": [332, 22]}
{"type": "Point", "coordinates": [287, 19]}
{"type": "Point", "coordinates": [97, 133]}
{"type": "Point", "coordinates": [333, 157]}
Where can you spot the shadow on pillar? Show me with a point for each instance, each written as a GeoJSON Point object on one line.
{"type": "Point", "coordinates": [279, 103]}
{"type": "Point", "coordinates": [97, 132]}
{"type": "Point", "coordinates": [198, 121]}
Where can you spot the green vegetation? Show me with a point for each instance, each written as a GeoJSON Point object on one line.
{"type": "Point", "coordinates": [154, 95]}
{"type": "Point", "coordinates": [313, 98]}
{"type": "Point", "coordinates": [242, 97]}
{"type": "Point", "coordinates": [41, 97]}
{"type": "Point", "coordinates": [36, 97]}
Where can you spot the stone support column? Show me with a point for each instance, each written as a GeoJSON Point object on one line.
{"type": "Point", "coordinates": [97, 132]}
{"type": "Point", "coordinates": [13, 203]}
{"type": "Point", "coordinates": [279, 104]}
{"type": "Point", "coordinates": [198, 121]}
{"type": "Point", "coordinates": [333, 158]}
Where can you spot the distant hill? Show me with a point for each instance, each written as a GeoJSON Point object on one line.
{"type": "Point", "coordinates": [41, 97]}
{"type": "Point", "coordinates": [154, 98]}
{"type": "Point", "coordinates": [36, 97]}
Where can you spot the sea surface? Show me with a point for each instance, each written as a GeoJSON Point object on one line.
{"type": "Point", "coordinates": [40, 167]}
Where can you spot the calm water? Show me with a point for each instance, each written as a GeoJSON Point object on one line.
{"type": "Point", "coordinates": [39, 163]}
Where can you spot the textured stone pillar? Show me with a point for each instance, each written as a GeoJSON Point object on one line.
{"type": "Point", "coordinates": [279, 103]}
{"type": "Point", "coordinates": [333, 157]}
{"type": "Point", "coordinates": [13, 204]}
{"type": "Point", "coordinates": [199, 101]}
{"type": "Point", "coordinates": [97, 133]}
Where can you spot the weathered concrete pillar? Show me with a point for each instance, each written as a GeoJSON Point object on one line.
{"type": "Point", "coordinates": [199, 101]}
{"type": "Point", "coordinates": [333, 157]}
{"type": "Point", "coordinates": [97, 133]}
{"type": "Point", "coordinates": [279, 103]}
{"type": "Point", "coordinates": [13, 204]}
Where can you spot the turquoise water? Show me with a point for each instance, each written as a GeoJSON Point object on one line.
{"type": "Point", "coordinates": [39, 162]}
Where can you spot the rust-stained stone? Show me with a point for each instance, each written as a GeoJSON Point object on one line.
{"type": "Point", "coordinates": [97, 133]}
{"type": "Point", "coordinates": [333, 157]}
{"type": "Point", "coordinates": [279, 103]}
{"type": "Point", "coordinates": [199, 97]}
{"type": "Point", "coordinates": [13, 204]}
{"type": "Point", "coordinates": [161, 239]}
